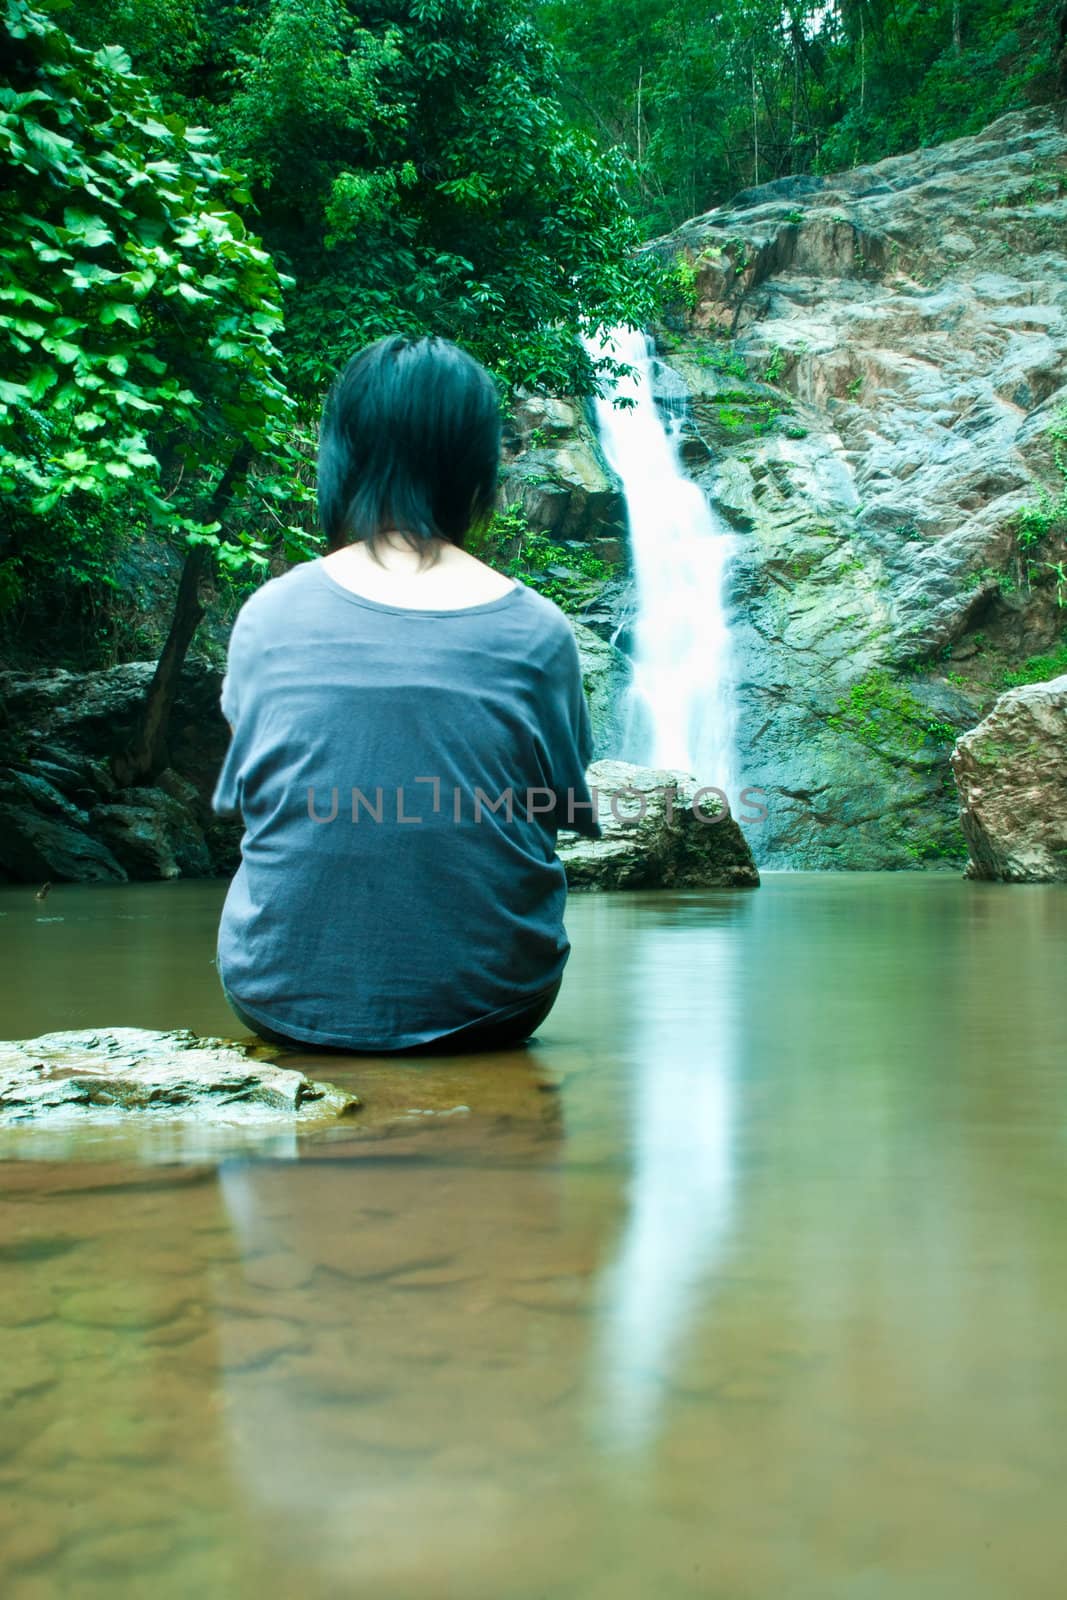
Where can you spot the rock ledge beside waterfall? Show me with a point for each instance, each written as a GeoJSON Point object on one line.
{"type": "Point", "coordinates": [659, 832]}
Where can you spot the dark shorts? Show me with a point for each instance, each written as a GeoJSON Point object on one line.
{"type": "Point", "coordinates": [502, 1031]}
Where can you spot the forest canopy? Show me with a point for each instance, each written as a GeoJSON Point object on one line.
{"type": "Point", "coordinates": [209, 205]}
{"type": "Point", "coordinates": [136, 313]}
{"type": "Point", "coordinates": [706, 100]}
{"type": "Point", "coordinates": [411, 167]}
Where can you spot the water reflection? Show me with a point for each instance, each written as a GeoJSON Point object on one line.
{"type": "Point", "coordinates": [403, 1322]}
{"type": "Point", "coordinates": [749, 1280]}
{"type": "Point", "coordinates": [680, 1188]}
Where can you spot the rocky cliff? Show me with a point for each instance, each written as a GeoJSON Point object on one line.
{"type": "Point", "coordinates": [877, 362]}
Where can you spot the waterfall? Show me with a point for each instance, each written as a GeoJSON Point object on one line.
{"type": "Point", "coordinates": [679, 710]}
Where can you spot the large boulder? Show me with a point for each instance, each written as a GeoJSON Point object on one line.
{"type": "Point", "coordinates": [36, 845]}
{"type": "Point", "coordinates": [62, 814]}
{"type": "Point", "coordinates": [554, 470]}
{"type": "Point", "coordinates": [660, 831]}
{"type": "Point", "coordinates": [152, 834]}
{"type": "Point", "coordinates": [1011, 772]}
{"type": "Point", "coordinates": [104, 1074]}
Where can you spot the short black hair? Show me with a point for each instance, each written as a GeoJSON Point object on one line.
{"type": "Point", "coordinates": [409, 441]}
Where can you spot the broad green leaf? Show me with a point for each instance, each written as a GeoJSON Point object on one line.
{"type": "Point", "coordinates": [118, 312]}
{"type": "Point", "coordinates": [62, 349]}
{"type": "Point", "coordinates": [89, 230]}
{"type": "Point", "coordinates": [40, 381]}
{"type": "Point", "coordinates": [112, 59]}
{"type": "Point", "coordinates": [55, 146]}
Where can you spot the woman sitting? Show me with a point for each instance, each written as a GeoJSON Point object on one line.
{"type": "Point", "coordinates": [409, 732]}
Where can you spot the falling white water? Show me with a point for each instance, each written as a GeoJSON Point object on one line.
{"type": "Point", "coordinates": [679, 711]}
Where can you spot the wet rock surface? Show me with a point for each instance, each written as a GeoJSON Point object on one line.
{"type": "Point", "coordinates": [1012, 776]}
{"type": "Point", "coordinates": [553, 468]}
{"type": "Point", "coordinates": [606, 675]}
{"type": "Point", "coordinates": [64, 817]}
{"type": "Point", "coordinates": [101, 1074]}
{"type": "Point", "coordinates": [660, 831]}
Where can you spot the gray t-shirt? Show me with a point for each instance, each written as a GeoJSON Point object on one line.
{"type": "Point", "coordinates": [401, 775]}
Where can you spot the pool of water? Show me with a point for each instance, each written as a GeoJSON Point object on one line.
{"type": "Point", "coordinates": [747, 1281]}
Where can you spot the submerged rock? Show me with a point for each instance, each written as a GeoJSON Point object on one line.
{"type": "Point", "coordinates": [108, 1074]}
{"type": "Point", "coordinates": [661, 831]}
{"type": "Point", "coordinates": [1011, 772]}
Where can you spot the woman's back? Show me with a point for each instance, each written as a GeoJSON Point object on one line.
{"type": "Point", "coordinates": [402, 773]}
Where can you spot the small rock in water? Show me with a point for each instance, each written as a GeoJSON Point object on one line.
{"type": "Point", "coordinates": [653, 837]}
{"type": "Point", "coordinates": [109, 1074]}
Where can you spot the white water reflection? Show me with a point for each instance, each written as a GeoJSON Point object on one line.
{"type": "Point", "coordinates": [680, 1189]}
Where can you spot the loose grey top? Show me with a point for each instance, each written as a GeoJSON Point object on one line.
{"type": "Point", "coordinates": [401, 775]}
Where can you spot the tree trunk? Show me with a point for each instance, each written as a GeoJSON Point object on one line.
{"type": "Point", "coordinates": [863, 60]}
{"type": "Point", "coordinates": [640, 77]}
{"type": "Point", "coordinates": [145, 755]}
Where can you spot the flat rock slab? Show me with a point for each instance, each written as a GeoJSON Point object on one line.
{"type": "Point", "coordinates": [108, 1075]}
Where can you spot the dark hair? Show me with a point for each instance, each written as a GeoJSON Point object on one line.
{"type": "Point", "coordinates": [409, 440]}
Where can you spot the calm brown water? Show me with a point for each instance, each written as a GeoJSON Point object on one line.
{"type": "Point", "coordinates": [748, 1282]}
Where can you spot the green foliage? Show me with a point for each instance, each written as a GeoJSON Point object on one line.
{"type": "Point", "coordinates": [1038, 189]}
{"type": "Point", "coordinates": [682, 282]}
{"type": "Point", "coordinates": [739, 410]}
{"type": "Point", "coordinates": [1004, 580]}
{"type": "Point", "coordinates": [513, 547]}
{"type": "Point", "coordinates": [1058, 570]}
{"type": "Point", "coordinates": [413, 171]}
{"type": "Point", "coordinates": [723, 357]}
{"type": "Point", "coordinates": [776, 365]}
{"type": "Point", "coordinates": [705, 102]}
{"type": "Point", "coordinates": [949, 845]}
{"type": "Point", "coordinates": [136, 315]}
{"type": "Point", "coordinates": [880, 711]}
{"type": "Point", "coordinates": [1037, 523]}
{"type": "Point", "coordinates": [1038, 669]}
